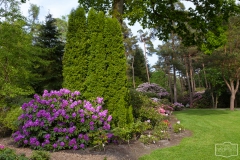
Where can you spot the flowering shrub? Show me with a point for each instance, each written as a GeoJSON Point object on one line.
{"type": "Point", "coordinates": [177, 128]}
{"type": "Point", "coordinates": [165, 110]}
{"type": "Point", "coordinates": [178, 106]}
{"type": "Point", "coordinates": [152, 88]}
{"type": "Point", "coordinates": [61, 120]}
{"type": "Point", "coordinates": [2, 146]}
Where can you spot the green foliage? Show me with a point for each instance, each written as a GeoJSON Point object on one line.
{"type": "Point", "coordinates": [10, 154]}
{"type": "Point", "coordinates": [52, 48]}
{"type": "Point", "coordinates": [140, 73]}
{"type": "Point", "coordinates": [144, 108]}
{"type": "Point", "coordinates": [159, 132]}
{"type": "Point", "coordinates": [116, 93]}
{"type": "Point", "coordinates": [178, 128]}
{"type": "Point", "coordinates": [135, 130]}
{"type": "Point", "coordinates": [123, 134]}
{"type": "Point", "coordinates": [95, 82]}
{"type": "Point", "coordinates": [150, 114]}
{"type": "Point", "coordinates": [205, 101]}
{"type": "Point", "coordinates": [75, 55]}
{"type": "Point", "coordinates": [95, 63]}
{"type": "Point", "coordinates": [11, 119]}
{"type": "Point", "coordinates": [16, 46]}
{"type": "Point", "coordinates": [40, 155]}
{"type": "Point", "coordinates": [148, 139]}
{"type": "Point", "coordinates": [140, 127]}
{"type": "Point", "coordinates": [159, 77]}
{"type": "Point", "coordinates": [214, 41]}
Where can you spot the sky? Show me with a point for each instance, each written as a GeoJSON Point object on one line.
{"type": "Point", "coordinates": [59, 8]}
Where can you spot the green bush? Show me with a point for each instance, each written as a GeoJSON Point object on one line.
{"type": "Point", "coordinates": [9, 154]}
{"type": "Point", "coordinates": [205, 101]}
{"type": "Point", "coordinates": [11, 119]}
{"type": "Point", "coordinates": [40, 155]}
{"type": "Point", "coordinates": [178, 128]}
{"type": "Point", "coordinates": [134, 130]}
{"type": "Point", "coordinates": [148, 139]}
{"type": "Point", "coordinates": [151, 114]}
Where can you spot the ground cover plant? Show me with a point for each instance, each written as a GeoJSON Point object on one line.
{"type": "Point", "coordinates": [209, 127]}
{"type": "Point", "coordinates": [62, 120]}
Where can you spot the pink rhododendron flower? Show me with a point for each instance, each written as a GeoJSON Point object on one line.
{"type": "Point", "coordinates": [2, 146]}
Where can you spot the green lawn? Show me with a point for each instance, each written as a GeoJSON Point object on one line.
{"type": "Point", "coordinates": [209, 127]}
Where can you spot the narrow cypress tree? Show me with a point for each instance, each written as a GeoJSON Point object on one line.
{"type": "Point", "coordinates": [95, 81]}
{"type": "Point", "coordinates": [116, 94]}
{"type": "Point", "coordinates": [75, 56]}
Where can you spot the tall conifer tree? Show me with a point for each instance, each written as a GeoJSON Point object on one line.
{"type": "Point", "coordinates": [116, 91]}
{"type": "Point", "coordinates": [53, 50]}
{"type": "Point", "coordinates": [75, 56]}
{"type": "Point", "coordinates": [95, 81]}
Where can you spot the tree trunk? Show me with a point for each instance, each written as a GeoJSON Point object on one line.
{"type": "Point", "coordinates": [233, 89]}
{"type": "Point", "coordinates": [216, 103]}
{"type": "Point", "coordinates": [191, 74]}
{"type": "Point", "coordinates": [189, 86]}
{"type": "Point", "coordinates": [213, 100]}
{"type": "Point", "coordinates": [199, 81]}
{"type": "Point", "coordinates": [232, 98]}
{"type": "Point", "coordinates": [205, 76]}
{"type": "Point", "coordinates": [181, 82]}
{"type": "Point", "coordinates": [145, 54]}
{"type": "Point", "coordinates": [133, 73]}
{"type": "Point", "coordinates": [170, 86]}
{"type": "Point", "coordinates": [118, 10]}
{"type": "Point", "coordinates": [174, 84]}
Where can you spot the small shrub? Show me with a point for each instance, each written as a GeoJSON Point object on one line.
{"type": "Point", "coordinates": [148, 139]}
{"type": "Point", "coordinates": [140, 127]}
{"type": "Point", "coordinates": [150, 114]}
{"type": "Point", "coordinates": [40, 155]}
{"type": "Point", "coordinates": [122, 134]}
{"type": "Point", "coordinates": [178, 106]}
{"type": "Point", "coordinates": [11, 119]}
{"type": "Point", "coordinates": [177, 128]}
{"type": "Point", "coordinates": [134, 130]}
{"type": "Point", "coordinates": [161, 130]}
{"type": "Point", "coordinates": [9, 154]}
{"type": "Point", "coordinates": [61, 120]}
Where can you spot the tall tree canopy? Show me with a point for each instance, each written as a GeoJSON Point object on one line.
{"type": "Point", "coordinates": [166, 17]}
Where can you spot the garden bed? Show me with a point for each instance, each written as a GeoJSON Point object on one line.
{"type": "Point", "coordinates": [112, 151]}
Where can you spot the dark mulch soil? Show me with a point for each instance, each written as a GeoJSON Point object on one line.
{"type": "Point", "coordinates": [132, 151]}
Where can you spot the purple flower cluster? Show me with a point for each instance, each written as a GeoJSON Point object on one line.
{"type": "Point", "coordinates": [152, 88]}
{"type": "Point", "coordinates": [178, 106]}
{"type": "Point", "coordinates": [2, 146]}
{"type": "Point", "coordinates": [56, 114]}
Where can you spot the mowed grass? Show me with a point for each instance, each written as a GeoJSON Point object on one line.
{"type": "Point", "coordinates": [209, 127]}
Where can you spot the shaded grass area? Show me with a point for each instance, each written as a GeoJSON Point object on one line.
{"type": "Point", "coordinates": [209, 127]}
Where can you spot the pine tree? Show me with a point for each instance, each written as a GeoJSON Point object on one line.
{"type": "Point", "coordinates": [53, 52]}
{"type": "Point", "coordinates": [139, 67]}
{"type": "Point", "coordinates": [75, 56]}
{"type": "Point", "coordinates": [116, 95]}
{"type": "Point", "coordinates": [95, 81]}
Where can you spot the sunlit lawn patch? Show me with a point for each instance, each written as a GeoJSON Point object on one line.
{"type": "Point", "coordinates": [209, 127]}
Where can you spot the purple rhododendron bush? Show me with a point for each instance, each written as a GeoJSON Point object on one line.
{"type": "Point", "coordinates": [62, 120]}
{"type": "Point", "coordinates": [152, 88]}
